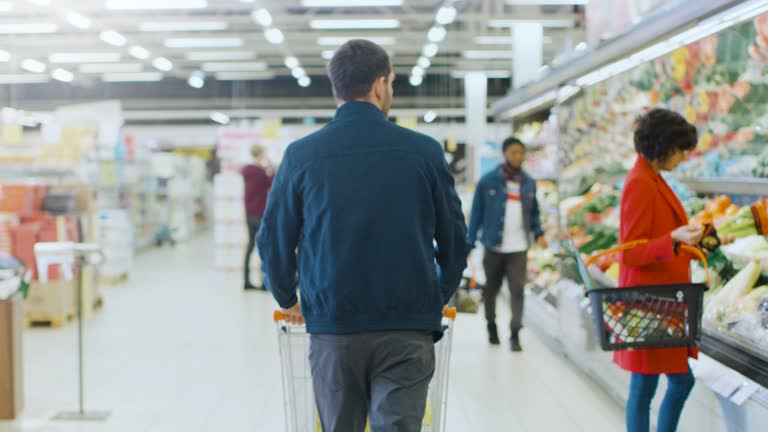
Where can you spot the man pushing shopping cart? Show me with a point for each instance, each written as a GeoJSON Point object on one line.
{"type": "Point", "coordinates": [353, 217]}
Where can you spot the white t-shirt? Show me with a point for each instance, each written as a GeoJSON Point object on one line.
{"type": "Point", "coordinates": [514, 238]}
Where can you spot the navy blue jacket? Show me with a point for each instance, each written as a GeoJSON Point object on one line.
{"type": "Point", "coordinates": [490, 206]}
{"type": "Point", "coordinates": [353, 217]}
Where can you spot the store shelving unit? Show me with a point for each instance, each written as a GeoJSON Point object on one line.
{"type": "Point", "coordinates": [728, 186]}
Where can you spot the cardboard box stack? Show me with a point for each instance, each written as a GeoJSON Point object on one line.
{"type": "Point", "coordinates": [230, 228]}
{"type": "Point", "coordinates": [114, 235]}
{"type": "Point", "coordinates": [22, 225]}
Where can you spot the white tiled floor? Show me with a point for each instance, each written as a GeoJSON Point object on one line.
{"type": "Point", "coordinates": [181, 348]}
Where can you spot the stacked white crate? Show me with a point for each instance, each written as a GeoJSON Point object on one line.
{"type": "Point", "coordinates": [114, 234]}
{"type": "Point", "coordinates": [230, 228]}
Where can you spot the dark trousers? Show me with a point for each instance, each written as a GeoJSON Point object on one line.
{"type": "Point", "coordinates": [254, 223]}
{"type": "Point", "coordinates": [379, 376]}
{"type": "Point", "coordinates": [642, 389]}
{"type": "Point", "coordinates": [497, 266]}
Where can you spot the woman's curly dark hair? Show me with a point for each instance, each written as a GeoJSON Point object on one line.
{"type": "Point", "coordinates": [660, 133]}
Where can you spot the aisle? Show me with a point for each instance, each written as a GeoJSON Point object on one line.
{"type": "Point", "coordinates": [181, 348]}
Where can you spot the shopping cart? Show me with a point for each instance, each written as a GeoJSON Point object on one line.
{"type": "Point", "coordinates": [659, 316]}
{"type": "Point", "coordinates": [300, 408]}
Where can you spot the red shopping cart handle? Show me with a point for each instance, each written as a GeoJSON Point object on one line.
{"type": "Point", "coordinates": [449, 313]}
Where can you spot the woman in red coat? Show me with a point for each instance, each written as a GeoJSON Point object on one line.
{"type": "Point", "coordinates": [651, 211]}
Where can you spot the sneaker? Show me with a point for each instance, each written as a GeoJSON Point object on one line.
{"type": "Point", "coordinates": [493, 335]}
{"type": "Point", "coordinates": [514, 342]}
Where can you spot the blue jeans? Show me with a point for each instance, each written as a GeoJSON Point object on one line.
{"type": "Point", "coordinates": [642, 388]}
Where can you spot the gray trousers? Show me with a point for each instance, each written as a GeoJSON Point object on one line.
{"type": "Point", "coordinates": [380, 376]}
{"type": "Point", "coordinates": [513, 266]}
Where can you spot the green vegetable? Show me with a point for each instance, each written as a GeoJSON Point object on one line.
{"type": "Point", "coordinates": [718, 305]}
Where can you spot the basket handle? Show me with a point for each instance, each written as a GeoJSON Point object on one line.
{"type": "Point", "coordinates": [696, 252]}
{"type": "Point", "coordinates": [449, 313]}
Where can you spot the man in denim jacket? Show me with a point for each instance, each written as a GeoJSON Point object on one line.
{"type": "Point", "coordinates": [505, 213]}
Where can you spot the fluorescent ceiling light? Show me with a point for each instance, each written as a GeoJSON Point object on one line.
{"type": "Point", "coordinates": [219, 55]}
{"type": "Point", "coordinates": [489, 54]}
{"type": "Point", "coordinates": [203, 42]}
{"type": "Point", "coordinates": [85, 57]}
{"type": "Point", "coordinates": [291, 62]}
{"type": "Point", "coordinates": [351, 24]}
{"type": "Point", "coordinates": [415, 80]}
{"type": "Point", "coordinates": [102, 68]}
{"type": "Point", "coordinates": [445, 15]}
{"type": "Point", "coordinates": [551, 23]}
{"type": "Point", "coordinates": [33, 66]}
{"type": "Point", "coordinates": [196, 80]}
{"type": "Point", "coordinates": [503, 40]}
{"type": "Point", "coordinates": [155, 4]}
{"type": "Point", "coordinates": [351, 3]}
{"type": "Point", "coordinates": [140, 53]}
{"type": "Point", "coordinates": [547, 2]}
{"type": "Point", "coordinates": [262, 17]}
{"type": "Point", "coordinates": [298, 72]}
{"type": "Point", "coordinates": [417, 71]}
{"type": "Point", "coordinates": [436, 34]}
{"type": "Point", "coordinates": [219, 117]}
{"type": "Point", "coordinates": [62, 75]}
{"type": "Point", "coordinates": [430, 116]}
{"type": "Point", "coordinates": [424, 62]}
{"type": "Point", "coordinates": [80, 21]}
{"type": "Point", "coordinates": [274, 36]}
{"type": "Point", "coordinates": [328, 54]}
{"type": "Point", "coordinates": [305, 81]}
{"type": "Point", "coordinates": [6, 6]}
{"type": "Point", "coordinates": [5, 56]}
{"type": "Point", "coordinates": [181, 26]}
{"type": "Point", "coordinates": [495, 40]}
{"type": "Point", "coordinates": [133, 77]}
{"type": "Point", "coordinates": [244, 76]}
{"type": "Point", "coordinates": [113, 38]}
{"type": "Point", "coordinates": [234, 67]}
{"type": "Point", "coordinates": [337, 41]}
{"type": "Point", "coordinates": [23, 78]}
{"type": "Point", "coordinates": [163, 64]}
{"type": "Point", "coordinates": [28, 28]}
{"type": "Point", "coordinates": [458, 74]}
{"type": "Point", "coordinates": [429, 50]}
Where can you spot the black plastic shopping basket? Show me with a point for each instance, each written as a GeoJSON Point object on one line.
{"type": "Point", "coordinates": [644, 317]}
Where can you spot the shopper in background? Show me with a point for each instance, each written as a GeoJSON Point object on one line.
{"type": "Point", "coordinates": [505, 213]}
{"type": "Point", "coordinates": [258, 180]}
{"type": "Point", "coordinates": [650, 210]}
{"type": "Point", "coordinates": [364, 200]}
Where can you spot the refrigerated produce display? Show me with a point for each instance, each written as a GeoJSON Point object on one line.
{"type": "Point", "coordinates": [719, 84]}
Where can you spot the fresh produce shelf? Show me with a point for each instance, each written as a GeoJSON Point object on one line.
{"type": "Point", "coordinates": [735, 355]}
{"type": "Point", "coordinates": [739, 186]}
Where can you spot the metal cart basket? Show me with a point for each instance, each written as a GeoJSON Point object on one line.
{"type": "Point", "coordinates": [300, 408]}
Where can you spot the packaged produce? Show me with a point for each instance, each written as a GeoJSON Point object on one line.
{"type": "Point", "coordinates": [747, 305]}
{"type": "Point", "coordinates": [762, 310]}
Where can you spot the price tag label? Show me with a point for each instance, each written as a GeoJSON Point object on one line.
{"type": "Point", "coordinates": [744, 393]}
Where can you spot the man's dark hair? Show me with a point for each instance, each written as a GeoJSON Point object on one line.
{"type": "Point", "coordinates": [355, 66]}
{"type": "Point", "coordinates": [510, 142]}
{"type": "Point", "coordinates": [660, 133]}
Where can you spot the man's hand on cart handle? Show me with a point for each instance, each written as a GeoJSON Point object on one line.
{"type": "Point", "coordinates": [293, 314]}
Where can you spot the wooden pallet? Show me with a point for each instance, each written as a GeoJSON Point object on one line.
{"type": "Point", "coordinates": [53, 322]}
